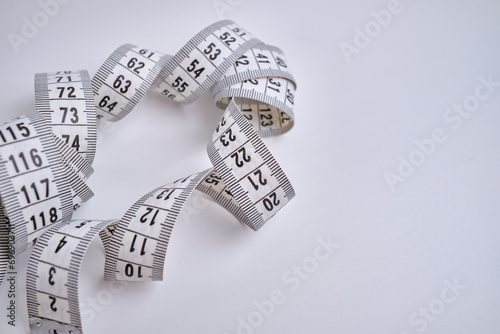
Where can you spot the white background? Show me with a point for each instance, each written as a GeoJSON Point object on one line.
{"type": "Point", "coordinates": [397, 250]}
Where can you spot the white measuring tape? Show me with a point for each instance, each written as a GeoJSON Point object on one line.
{"type": "Point", "coordinates": [34, 180]}
{"type": "Point", "coordinates": [250, 80]}
{"type": "Point", "coordinates": [65, 98]}
{"type": "Point", "coordinates": [53, 270]}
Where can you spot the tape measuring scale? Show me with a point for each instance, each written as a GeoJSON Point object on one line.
{"type": "Point", "coordinates": [124, 79]}
{"type": "Point", "coordinates": [263, 80]}
{"type": "Point", "coordinates": [65, 99]}
{"type": "Point", "coordinates": [203, 60]}
{"type": "Point", "coordinates": [245, 179]}
{"type": "Point", "coordinates": [34, 188]}
{"type": "Point", "coordinates": [52, 279]}
{"type": "Point", "coordinates": [251, 81]}
{"type": "Point", "coordinates": [43, 178]}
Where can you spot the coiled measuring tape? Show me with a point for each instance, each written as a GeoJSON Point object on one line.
{"type": "Point", "coordinates": [250, 80]}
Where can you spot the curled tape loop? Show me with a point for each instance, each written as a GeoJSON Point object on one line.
{"type": "Point", "coordinates": [46, 158]}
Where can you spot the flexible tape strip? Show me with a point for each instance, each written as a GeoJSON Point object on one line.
{"type": "Point", "coordinates": [137, 252]}
{"type": "Point", "coordinates": [137, 249]}
{"type": "Point", "coordinates": [273, 116]}
{"type": "Point", "coordinates": [265, 58]}
{"type": "Point", "coordinates": [33, 187]}
{"type": "Point", "coordinates": [52, 279]}
{"type": "Point", "coordinates": [124, 79]}
{"type": "Point", "coordinates": [66, 101]}
{"type": "Point", "coordinates": [248, 153]}
{"type": "Point", "coordinates": [203, 60]}
{"type": "Point", "coordinates": [26, 157]}
{"type": "Point", "coordinates": [248, 169]}
{"type": "Point", "coordinates": [263, 77]}
{"type": "Point", "coordinates": [260, 61]}
{"type": "Point", "coordinates": [255, 181]}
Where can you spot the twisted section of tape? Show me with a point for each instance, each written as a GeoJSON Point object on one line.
{"type": "Point", "coordinates": [251, 81]}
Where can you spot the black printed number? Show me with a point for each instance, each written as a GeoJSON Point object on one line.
{"type": "Point", "coordinates": [193, 68]}
{"type": "Point", "coordinates": [143, 247]}
{"type": "Point", "coordinates": [25, 132]}
{"type": "Point", "coordinates": [144, 52]}
{"type": "Point", "coordinates": [60, 77]}
{"type": "Point", "coordinates": [213, 179]}
{"type": "Point", "coordinates": [271, 201]}
{"type": "Point", "coordinates": [145, 217]}
{"type": "Point", "coordinates": [222, 123]}
{"type": "Point", "coordinates": [260, 179]}
{"type": "Point", "coordinates": [165, 194]}
{"type": "Point", "coordinates": [212, 51]}
{"type": "Point", "coordinates": [284, 117]}
{"type": "Point", "coordinates": [75, 142]}
{"type": "Point", "coordinates": [53, 303]}
{"type": "Point", "coordinates": [243, 60]}
{"type": "Point", "coordinates": [289, 96]}
{"type": "Point", "coordinates": [42, 220]}
{"type": "Point", "coordinates": [52, 271]}
{"type": "Point", "coordinates": [248, 113]}
{"type": "Point", "coordinates": [69, 92]}
{"type": "Point", "coordinates": [239, 32]}
{"type": "Point", "coordinates": [34, 192]}
{"type": "Point", "coordinates": [129, 270]}
{"type": "Point", "coordinates": [82, 224]}
{"type": "Point", "coordinates": [23, 163]}
{"type": "Point", "coordinates": [266, 119]}
{"type": "Point", "coordinates": [273, 85]}
{"type": "Point", "coordinates": [262, 58]}
{"type": "Point", "coordinates": [227, 38]}
{"type": "Point", "coordinates": [230, 136]}
{"type": "Point", "coordinates": [135, 65]}
{"type": "Point", "coordinates": [105, 103]}
{"type": "Point", "coordinates": [61, 244]}
{"type": "Point", "coordinates": [280, 62]}
{"type": "Point", "coordinates": [122, 84]}
{"type": "Point", "coordinates": [74, 114]}
{"type": "Point", "coordinates": [240, 160]}
{"type": "Point", "coordinates": [252, 81]}
{"type": "Point", "coordinates": [181, 86]}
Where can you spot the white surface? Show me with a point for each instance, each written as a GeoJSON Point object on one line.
{"type": "Point", "coordinates": [398, 250]}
